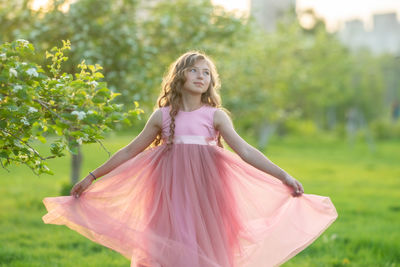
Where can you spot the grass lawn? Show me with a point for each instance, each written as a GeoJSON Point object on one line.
{"type": "Point", "coordinates": [363, 185]}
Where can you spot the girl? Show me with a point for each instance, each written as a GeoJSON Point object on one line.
{"type": "Point", "coordinates": [185, 201]}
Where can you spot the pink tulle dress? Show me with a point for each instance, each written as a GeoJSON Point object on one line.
{"type": "Point", "coordinates": [195, 205]}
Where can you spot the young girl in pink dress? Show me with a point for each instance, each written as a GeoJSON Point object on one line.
{"type": "Point", "coordinates": [174, 197]}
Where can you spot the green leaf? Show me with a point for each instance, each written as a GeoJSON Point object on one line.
{"type": "Point", "coordinates": [41, 139]}
{"type": "Point", "coordinates": [4, 154]}
{"type": "Point", "coordinates": [98, 75]}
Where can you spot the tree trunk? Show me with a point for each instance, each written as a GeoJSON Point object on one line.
{"type": "Point", "coordinates": [266, 132]}
{"type": "Point", "coordinates": [331, 118]}
{"type": "Point", "coordinates": [76, 161]}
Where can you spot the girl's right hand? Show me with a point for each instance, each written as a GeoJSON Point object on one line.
{"type": "Point", "coordinates": [81, 186]}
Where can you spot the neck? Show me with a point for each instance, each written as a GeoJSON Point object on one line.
{"type": "Point", "coordinates": [191, 103]}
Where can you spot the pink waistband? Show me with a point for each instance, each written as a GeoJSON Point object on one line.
{"type": "Point", "coordinates": [193, 139]}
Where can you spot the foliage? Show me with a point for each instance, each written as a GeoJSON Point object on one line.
{"type": "Point", "coordinates": [268, 79]}
{"type": "Point", "coordinates": [103, 32]}
{"type": "Point", "coordinates": [174, 27]}
{"type": "Point", "coordinates": [298, 74]}
{"type": "Point", "coordinates": [78, 108]}
{"type": "Point", "coordinates": [386, 129]}
{"type": "Point", "coordinates": [265, 77]}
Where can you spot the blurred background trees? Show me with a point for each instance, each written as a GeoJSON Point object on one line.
{"type": "Point", "coordinates": [291, 81]}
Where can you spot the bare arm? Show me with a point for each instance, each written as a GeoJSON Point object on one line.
{"type": "Point", "coordinates": [250, 154]}
{"type": "Point", "coordinates": [143, 140]}
{"type": "Point", "coordinates": [137, 145]}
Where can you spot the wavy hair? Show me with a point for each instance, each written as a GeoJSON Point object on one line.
{"type": "Point", "coordinates": [172, 85]}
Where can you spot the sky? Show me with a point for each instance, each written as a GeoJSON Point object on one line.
{"type": "Point", "coordinates": [335, 12]}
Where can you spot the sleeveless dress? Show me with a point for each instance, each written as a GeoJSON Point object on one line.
{"type": "Point", "coordinates": [195, 205]}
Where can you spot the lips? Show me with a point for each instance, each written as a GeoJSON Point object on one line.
{"type": "Point", "coordinates": [198, 83]}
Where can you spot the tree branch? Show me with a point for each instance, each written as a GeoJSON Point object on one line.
{"type": "Point", "coordinates": [49, 109]}
{"type": "Point", "coordinates": [25, 143]}
{"type": "Point", "coordinates": [2, 165]}
{"type": "Point", "coordinates": [101, 144]}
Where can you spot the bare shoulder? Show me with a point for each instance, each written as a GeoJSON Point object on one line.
{"type": "Point", "coordinates": [147, 135]}
{"type": "Point", "coordinates": [221, 118]}
{"type": "Point", "coordinates": [224, 124]}
{"type": "Point", "coordinates": [156, 118]}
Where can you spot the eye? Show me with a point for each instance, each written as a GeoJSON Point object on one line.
{"type": "Point", "coordinates": [207, 73]}
{"type": "Point", "coordinates": [192, 69]}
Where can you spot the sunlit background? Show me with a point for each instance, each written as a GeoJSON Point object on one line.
{"type": "Point", "coordinates": [316, 89]}
{"type": "Point", "coordinates": [334, 12]}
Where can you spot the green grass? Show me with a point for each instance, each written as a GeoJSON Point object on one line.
{"type": "Point", "coordinates": [363, 185]}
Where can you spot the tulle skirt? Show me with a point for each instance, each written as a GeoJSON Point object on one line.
{"type": "Point", "coordinates": [195, 205]}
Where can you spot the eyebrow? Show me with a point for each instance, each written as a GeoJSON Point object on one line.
{"type": "Point", "coordinates": [198, 68]}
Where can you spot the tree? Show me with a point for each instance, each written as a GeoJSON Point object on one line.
{"type": "Point", "coordinates": [174, 27]}
{"type": "Point", "coordinates": [103, 32]}
{"type": "Point", "coordinates": [75, 108]}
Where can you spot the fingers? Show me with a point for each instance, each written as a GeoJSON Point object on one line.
{"type": "Point", "coordinates": [297, 189]}
{"type": "Point", "coordinates": [72, 191]}
{"type": "Point", "coordinates": [295, 185]}
{"type": "Point", "coordinates": [301, 189]}
{"type": "Point", "coordinates": [78, 188]}
{"type": "Point", "coordinates": [76, 195]}
{"type": "Point", "coordinates": [76, 191]}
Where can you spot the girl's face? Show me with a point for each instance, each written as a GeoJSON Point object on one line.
{"type": "Point", "coordinates": [198, 77]}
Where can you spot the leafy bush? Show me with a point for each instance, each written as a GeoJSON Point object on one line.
{"type": "Point", "coordinates": [301, 127]}
{"type": "Point", "coordinates": [76, 107]}
{"type": "Point", "coordinates": [386, 129]}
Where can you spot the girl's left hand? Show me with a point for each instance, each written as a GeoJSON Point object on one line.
{"type": "Point", "coordinates": [295, 185]}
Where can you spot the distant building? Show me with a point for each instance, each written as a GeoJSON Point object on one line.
{"type": "Point", "coordinates": [384, 37]}
{"type": "Point", "coordinates": [267, 12]}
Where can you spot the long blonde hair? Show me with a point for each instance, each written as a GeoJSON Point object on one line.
{"type": "Point", "coordinates": [171, 90]}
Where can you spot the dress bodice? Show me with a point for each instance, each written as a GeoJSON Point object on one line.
{"type": "Point", "coordinates": [191, 126]}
